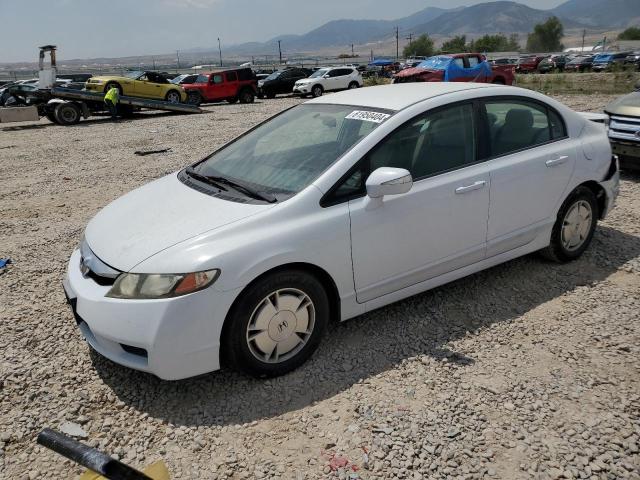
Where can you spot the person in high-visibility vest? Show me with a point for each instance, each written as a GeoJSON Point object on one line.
{"type": "Point", "coordinates": [111, 99]}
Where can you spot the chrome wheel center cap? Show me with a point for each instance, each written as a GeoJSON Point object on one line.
{"type": "Point", "coordinates": [282, 325]}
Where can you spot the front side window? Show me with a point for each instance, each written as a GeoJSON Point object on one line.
{"type": "Point", "coordinates": [432, 143]}
{"type": "Point", "coordinates": [473, 61]}
{"type": "Point", "coordinates": [518, 124]}
{"type": "Point", "coordinates": [287, 153]}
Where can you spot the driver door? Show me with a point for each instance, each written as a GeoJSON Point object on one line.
{"type": "Point", "coordinates": [440, 225]}
{"type": "Point", "coordinates": [144, 87]}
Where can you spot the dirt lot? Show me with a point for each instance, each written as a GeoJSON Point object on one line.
{"type": "Point", "coordinates": [527, 370]}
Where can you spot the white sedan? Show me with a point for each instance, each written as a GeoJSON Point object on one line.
{"type": "Point", "coordinates": [329, 210]}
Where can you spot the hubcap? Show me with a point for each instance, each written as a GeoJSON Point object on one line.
{"type": "Point", "coordinates": [68, 114]}
{"type": "Point", "coordinates": [173, 97]}
{"type": "Point", "coordinates": [281, 325]}
{"type": "Point", "coordinates": [576, 225]}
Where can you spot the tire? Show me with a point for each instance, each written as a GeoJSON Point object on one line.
{"type": "Point", "coordinates": [113, 84]}
{"type": "Point", "coordinates": [194, 98]}
{"type": "Point", "coordinates": [67, 113]}
{"type": "Point", "coordinates": [353, 85]}
{"type": "Point", "coordinates": [317, 91]}
{"type": "Point", "coordinates": [569, 239]}
{"type": "Point", "coordinates": [498, 81]}
{"type": "Point", "coordinates": [248, 342]}
{"type": "Point", "coordinates": [172, 96]}
{"type": "Point", "coordinates": [270, 94]}
{"type": "Point", "coordinates": [232, 100]}
{"type": "Point", "coordinates": [246, 96]}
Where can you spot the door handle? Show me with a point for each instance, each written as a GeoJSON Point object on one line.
{"type": "Point", "coordinates": [557, 161]}
{"type": "Point", "coordinates": [472, 187]}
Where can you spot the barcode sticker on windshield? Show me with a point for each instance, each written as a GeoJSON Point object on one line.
{"type": "Point", "coordinates": [375, 117]}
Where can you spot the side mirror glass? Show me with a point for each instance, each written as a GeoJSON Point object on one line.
{"type": "Point", "coordinates": [388, 181]}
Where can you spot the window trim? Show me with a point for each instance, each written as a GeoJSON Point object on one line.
{"type": "Point", "coordinates": [328, 201]}
{"type": "Point", "coordinates": [486, 139]}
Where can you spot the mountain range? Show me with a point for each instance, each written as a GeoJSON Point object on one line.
{"type": "Point", "coordinates": [484, 18]}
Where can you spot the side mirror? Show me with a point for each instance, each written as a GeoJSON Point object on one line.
{"type": "Point", "coordinates": [325, 76]}
{"type": "Point", "coordinates": [388, 181]}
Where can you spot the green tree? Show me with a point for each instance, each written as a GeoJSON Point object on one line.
{"type": "Point", "coordinates": [455, 45]}
{"type": "Point", "coordinates": [421, 46]}
{"type": "Point", "coordinates": [631, 33]}
{"type": "Point", "coordinates": [546, 36]}
{"type": "Point", "coordinates": [493, 43]}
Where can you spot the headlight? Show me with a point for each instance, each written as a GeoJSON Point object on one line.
{"type": "Point", "coordinates": [148, 286]}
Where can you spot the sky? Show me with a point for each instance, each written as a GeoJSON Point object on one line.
{"type": "Point", "coordinates": [117, 28]}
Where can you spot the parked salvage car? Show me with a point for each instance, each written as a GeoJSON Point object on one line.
{"type": "Point", "coordinates": [459, 67]}
{"type": "Point", "coordinates": [220, 85]}
{"type": "Point", "coordinates": [331, 209]}
{"type": "Point", "coordinates": [633, 59]}
{"type": "Point", "coordinates": [281, 81]}
{"type": "Point", "coordinates": [329, 79]}
{"type": "Point", "coordinates": [624, 129]}
{"type": "Point", "coordinates": [139, 84]}
{"type": "Point", "coordinates": [553, 63]}
{"type": "Point", "coordinates": [607, 61]}
{"type": "Point", "coordinates": [580, 64]}
{"type": "Point", "coordinates": [529, 64]}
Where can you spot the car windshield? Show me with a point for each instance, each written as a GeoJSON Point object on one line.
{"type": "Point", "coordinates": [436, 63]}
{"type": "Point", "coordinates": [133, 74]}
{"type": "Point", "coordinates": [319, 73]}
{"type": "Point", "coordinates": [285, 154]}
{"type": "Point", "coordinates": [178, 79]}
{"type": "Point", "coordinates": [273, 76]}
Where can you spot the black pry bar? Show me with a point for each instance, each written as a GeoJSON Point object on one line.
{"type": "Point", "coordinates": [88, 457]}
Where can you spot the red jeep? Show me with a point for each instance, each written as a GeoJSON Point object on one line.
{"type": "Point", "coordinates": [459, 67]}
{"type": "Point", "coordinates": [219, 85]}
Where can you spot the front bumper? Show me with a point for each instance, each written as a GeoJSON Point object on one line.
{"type": "Point", "coordinates": [171, 338]}
{"type": "Point", "coordinates": [626, 150]}
{"type": "Point", "coordinates": [302, 89]}
{"type": "Point", "coordinates": [94, 87]}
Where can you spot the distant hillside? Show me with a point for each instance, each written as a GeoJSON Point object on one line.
{"type": "Point", "coordinates": [493, 17]}
{"type": "Point", "coordinates": [601, 13]}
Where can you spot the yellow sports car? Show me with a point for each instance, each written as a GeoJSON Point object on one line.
{"type": "Point", "coordinates": [139, 84]}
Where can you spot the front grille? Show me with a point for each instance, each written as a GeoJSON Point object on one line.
{"type": "Point", "coordinates": [624, 128]}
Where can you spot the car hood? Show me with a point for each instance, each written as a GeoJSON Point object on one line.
{"type": "Point", "coordinates": [628, 105]}
{"type": "Point", "coordinates": [157, 216]}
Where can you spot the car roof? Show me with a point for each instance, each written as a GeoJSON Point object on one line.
{"type": "Point", "coordinates": [398, 96]}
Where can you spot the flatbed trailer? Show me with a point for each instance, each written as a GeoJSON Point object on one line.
{"type": "Point", "coordinates": [66, 106]}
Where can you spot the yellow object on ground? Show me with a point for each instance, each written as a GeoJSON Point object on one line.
{"type": "Point", "coordinates": [157, 471]}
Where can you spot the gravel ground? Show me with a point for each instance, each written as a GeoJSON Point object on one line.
{"type": "Point", "coordinates": [527, 370]}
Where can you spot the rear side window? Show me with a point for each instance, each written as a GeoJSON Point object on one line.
{"type": "Point", "coordinates": [217, 78]}
{"type": "Point", "coordinates": [516, 125]}
{"type": "Point", "coordinates": [232, 76]}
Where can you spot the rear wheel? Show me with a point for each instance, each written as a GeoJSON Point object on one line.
{"type": "Point", "coordinates": [67, 113]}
{"type": "Point", "coordinates": [246, 96]}
{"type": "Point", "coordinates": [574, 228]}
{"type": "Point", "coordinates": [317, 91]}
{"type": "Point", "coordinates": [498, 81]}
{"type": "Point", "coordinates": [51, 116]}
{"type": "Point", "coordinates": [232, 100]}
{"type": "Point", "coordinates": [270, 94]}
{"type": "Point", "coordinates": [276, 324]}
{"type": "Point", "coordinates": [353, 85]}
{"type": "Point", "coordinates": [172, 96]}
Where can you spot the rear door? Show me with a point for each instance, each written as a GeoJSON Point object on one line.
{"type": "Point", "coordinates": [531, 163]}
{"type": "Point", "coordinates": [230, 86]}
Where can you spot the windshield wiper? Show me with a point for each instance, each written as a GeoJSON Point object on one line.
{"type": "Point", "coordinates": [204, 178]}
{"type": "Point", "coordinates": [241, 187]}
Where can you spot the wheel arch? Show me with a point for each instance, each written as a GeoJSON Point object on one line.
{"type": "Point", "coordinates": [600, 194]}
{"type": "Point", "coordinates": [319, 273]}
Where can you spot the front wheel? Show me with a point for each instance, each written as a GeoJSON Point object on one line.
{"type": "Point", "coordinates": [574, 228]}
{"type": "Point", "coordinates": [194, 98]}
{"type": "Point", "coordinates": [276, 324]}
{"type": "Point", "coordinates": [67, 113]}
{"type": "Point", "coordinates": [317, 91]}
{"type": "Point", "coordinates": [111, 85]}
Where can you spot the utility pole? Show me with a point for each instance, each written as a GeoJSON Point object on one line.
{"type": "Point", "coordinates": [220, 51]}
{"type": "Point", "coordinates": [154, 62]}
{"type": "Point", "coordinates": [352, 54]}
{"type": "Point", "coordinates": [410, 38]}
{"type": "Point", "coordinates": [397, 43]}
{"type": "Point", "coordinates": [280, 51]}
{"type": "Point", "coordinates": [178, 60]}
{"type": "Point", "coordinates": [604, 44]}
{"type": "Point", "coordinates": [584, 32]}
